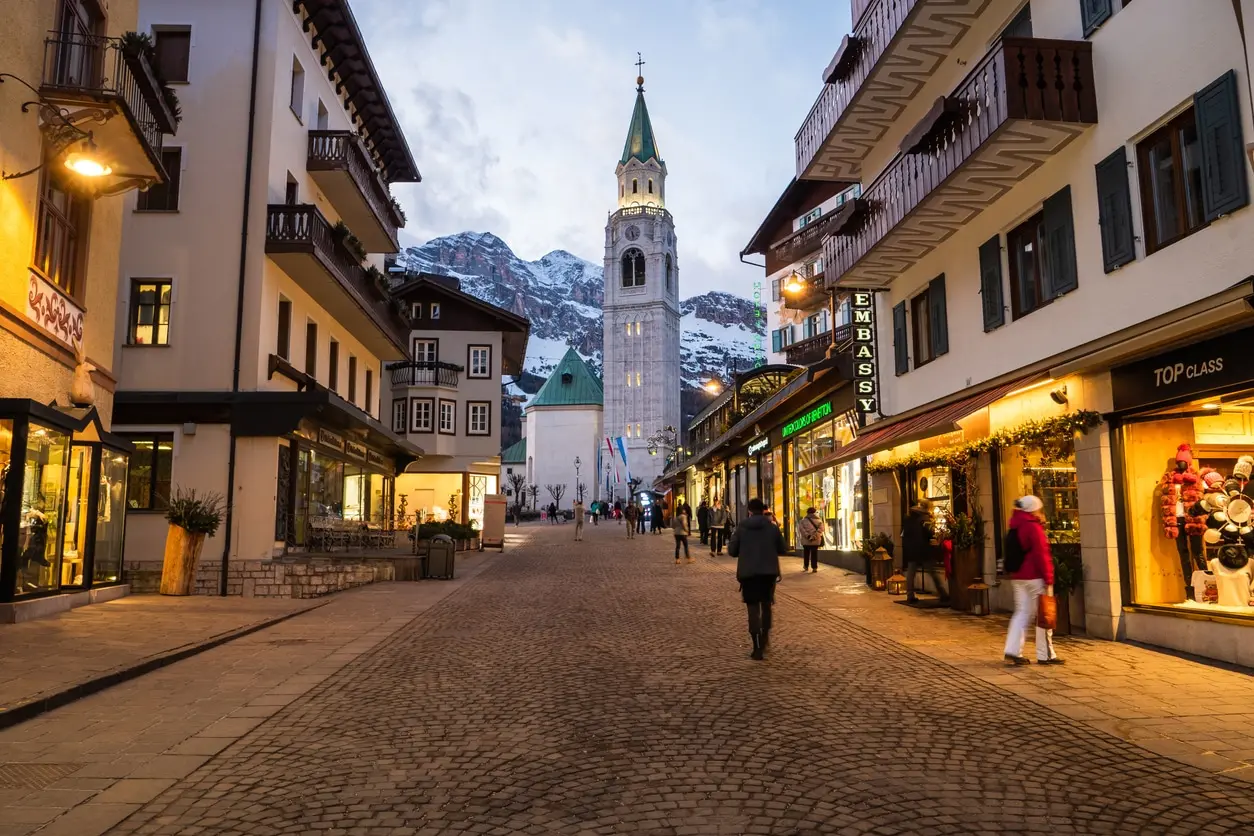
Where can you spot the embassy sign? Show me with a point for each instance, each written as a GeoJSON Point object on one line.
{"type": "Point", "coordinates": [862, 305]}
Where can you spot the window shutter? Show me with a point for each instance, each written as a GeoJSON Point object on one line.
{"type": "Point", "coordinates": [776, 341]}
{"type": "Point", "coordinates": [991, 285]}
{"type": "Point", "coordinates": [900, 350]}
{"type": "Point", "coordinates": [937, 313]}
{"type": "Point", "coordinates": [1060, 267]}
{"type": "Point", "coordinates": [774, 290]}
{"type": "Point", "coordinates": [1093, 13]}
{"type": "Point", "coordinates": [1114, 210]}
{"type": "Point", "coordinates": [1224, 187]}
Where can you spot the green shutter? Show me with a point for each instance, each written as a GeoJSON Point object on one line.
{"type": "Point", "coordinates": [1114, 211]}
{"type": "Point", "coordinates": [775, 341]}
{"type": "Point", "coordinates": [939, 315]}
{"type": "Point", "coordinates": [1224, 186]}
{"type": "Point", "coordinates": [991, 284]}
{"type": "Point", "coordinates": [1061, 275]}
{"type": "Point", "coordinates": [1093, 13]}
{"type": "Point", "coordinates": [900, 350]}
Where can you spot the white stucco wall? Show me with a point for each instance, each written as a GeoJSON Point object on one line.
{"type": "Point", "coordinates": [555, 436]}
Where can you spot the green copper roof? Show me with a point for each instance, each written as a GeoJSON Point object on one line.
{"type": "Point", "coordinates": [641, 143]}
{"type": "Point", "coordinates": [571, 384]}
{"type": "Point", "coordinates": [515, 453]}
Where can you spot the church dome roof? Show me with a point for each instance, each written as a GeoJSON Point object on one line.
{"type": "Point", "coordinates": [641, 144]}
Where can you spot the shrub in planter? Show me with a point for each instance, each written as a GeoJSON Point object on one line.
{"type": "Point", "coordinates": [192, 518]}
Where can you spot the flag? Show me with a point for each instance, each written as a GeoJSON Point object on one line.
{"type": "Point", "coordinates": [622, 449]}
{"type": "Point", "coordinates": [610, 447]}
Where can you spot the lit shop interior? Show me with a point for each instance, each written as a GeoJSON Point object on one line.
{"type": "Point", "coordinates": [438, 497]}
{"type": "Point", "coordinates": [1187, 498]}
{"type": "Point", "coordinates": [63, 500]}
{"type": "Point", "coordinates": [834, 491]}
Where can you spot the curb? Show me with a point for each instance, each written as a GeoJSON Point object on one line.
{"type": "Point", "coordinates": [22, 712]}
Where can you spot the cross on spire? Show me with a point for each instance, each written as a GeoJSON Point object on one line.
{"type": "Point", "coordinates": [639, 73]}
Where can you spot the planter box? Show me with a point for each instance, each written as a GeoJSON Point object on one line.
{"type": "Point", "coordinates": [182, 553]}
{"type": "Point", "coordinates": [966, 568]}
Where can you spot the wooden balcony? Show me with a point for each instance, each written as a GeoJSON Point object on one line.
{"type": "Point", "coordinates": [301, 242]}
{"type": "Point", "coordinates": [343, 170]}
{"type": "Point", "coordinates": [895, 48]}
{"type": "Point", "coordinates": [93, 79]}
{"type": "Point", "coordinates": [422, 374]}
{"type": "Point", "coordinates": [1025, 101]}
{"type": "Point", "coordinates": [813, 349]}
{"type": "Point", "coordinates": [808, 239]}
{"type": "Point", "coordinates": [812, 297]}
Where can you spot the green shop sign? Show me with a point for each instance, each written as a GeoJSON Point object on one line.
{"type": "Point", "coordinates": [802, 421]}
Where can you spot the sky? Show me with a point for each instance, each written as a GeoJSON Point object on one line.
{"type": "Point", "coordinates": [516, 112]}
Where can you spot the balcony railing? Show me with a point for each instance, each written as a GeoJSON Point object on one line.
{"type": "Point", "coordinates": [342, 150]}
{"type": "Point", "coordinates": [813, 295]}
{"type": "Point", "coordinates": [1034, 81]}
{"type": "Point", "coordinates": [641, 211]}
{"type": "Point", "coordinates": [99, 67]}
{"type": "Point", "coordinates": [302, 228]}
{"type": "Point", "coordinates": [813, 349]}
{"type": "Point", "coordinates": [425, 373]}
{"type": "Point", "coordinates": [808, 239]}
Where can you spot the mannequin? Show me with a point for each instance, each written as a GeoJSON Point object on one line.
{"type": "Point", "coordinates": [1233, 575]}
{"type": "Point", "coordinates": [1181, 488]}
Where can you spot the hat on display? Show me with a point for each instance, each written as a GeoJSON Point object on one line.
{"type": "Point", "coordinates": [1029, 503]}
{"type": "Point", "coordinates": [1184, 453]}
{"type": "Point", "coordinates": [1212, 537]}
{"type": "Point", "coordinates": [1239, 510]}
{"type": "Point", "coordinates": [1242, 469]}
{"type": "Point", "coordinates": [1233, 557]}
{"type": "Point", "coordinates": [1232, 487]}
{"type": "Point", "coordinates": [1214, 480]}
{"type": "Point", "coordinates": [1230, 531]}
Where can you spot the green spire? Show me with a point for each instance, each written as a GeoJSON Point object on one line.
{"type": "Point", "coordinates": [571, 384]}
{"type": "Point", "coordinates": [641, 144]}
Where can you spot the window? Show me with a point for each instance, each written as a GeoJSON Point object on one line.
{"type": "Point", "coordinates": [774, 290]}
{"type": "Point", "coordinates": [173, 48]}
{"type": "Point", "coordinates": [421, 420]}
{"type": "Point", "coordinates": [448, 417]}
{"type": "Point", "coordinates": [633, 268]}
{"type": "Point", "coordinates": [426, 351]}
{"type": "Point", "coordinates": [1042, 256]}
{"type": "Point", "coordinates": [1171, 182]}
{"type": "Point", "coordinates": [1021, 25]}
{"type": "Point", "coordinates": [650, 185]}
{"type": "Point", "coordinates": [164, 197]}
{"type": "Point", "coordinates": [629, 431]}
{"type": "Point", "coordinates": [635, 186]}
{"type": "Point", "coordinates": [284, 347]}
{"type": "Point", "coordinates": [435, 310]}
{"type": "Point", "coordinates": [629, 329]}
{"type": "Point", "coordinates": [921, 322]}
{"type": "Point", "coordinates": [150, 313]}
{"type": "Point", "coordinates": [370, 391]}
{"type": "Point", "coordinates": [668, 272]}
{"type": "Point", "coordinates": [417, 310]}
{"type": "Point", "coordinates": [311, 349]}
{"type": "Point", "coordinates": [148, 483]}
{"type": "Point", "coordinates": [63, 225]}
{"type": "Point", "coordinates": [352, 379]}
{"type": "Point", "coordinates": [324, 118]}
{"type": "Point", "coordinates": [637, 378]}
{"type": "Point", "coordinates": [333, 366]}
{"type": "Point", "coordinates": [478, 418]}
{"type": "Point", "coordinates": [400, 412]}
{"type": "Point", "coordinates": [777, 340]}
{"type": "Point", "coordinates": [929, 327]}
{"type": "Point", "coordinates": [1114, 211]}
{"type": "Point", "coordinates": [629, 380]}
{"type": "Point", "coordinates": [291, 191]}
{"type": "Point", "coordinates": [808, 218]}
{"type": "Point", "coordinates": [637, 329]}
{"type": "Point", "coordinates": [480, 361]}
{"type": "Point", "coordinates": [637, 430]}
{"type": "Point", "coordinates": [297, 97]}
{"type": "Point", "coordinates": [991, 285]}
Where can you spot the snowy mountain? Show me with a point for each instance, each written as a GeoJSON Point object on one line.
{"type": "Point", "coordinates": [562, 295]}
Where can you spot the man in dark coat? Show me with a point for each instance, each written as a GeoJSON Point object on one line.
{"type": "Point", "coordinates": [757, 544]}
{"type": "Point", "coordinates": [703, 520]}
{"type": "Point", "coordinates": [918, 550]}
{"type": "Point", "coordinates": [656, 513]}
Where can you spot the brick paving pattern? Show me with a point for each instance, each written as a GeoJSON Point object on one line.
{"type": "Point", "coordinates": [598, 688]}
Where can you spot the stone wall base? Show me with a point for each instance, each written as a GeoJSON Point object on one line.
{"type": "Point", "coordinates": [280, 577]}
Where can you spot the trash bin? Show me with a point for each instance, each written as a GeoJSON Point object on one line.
{"type": "Point", "coordinates": [440, 557]}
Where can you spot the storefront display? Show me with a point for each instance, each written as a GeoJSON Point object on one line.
{"type": "Point", "coordinates": [1051, 476]}
{"type": "Point", "coordinates": [835, 492]}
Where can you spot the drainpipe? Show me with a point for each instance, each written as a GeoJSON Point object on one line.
{"type": "Point", "coordinates": [239, 297]}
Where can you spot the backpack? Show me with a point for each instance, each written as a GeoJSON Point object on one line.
{"type": "Point", "coordinates": [1013, 552]}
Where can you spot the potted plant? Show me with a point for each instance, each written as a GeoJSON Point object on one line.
{"type": "Point", "coordinates": [474, 535]}
{"type": "Point", "coordinates": [1068, 576]}
{"type": "Point", "coordinates": [350, 242]}
{"type": "Point", "coordinates": [192, 518]}
{"type": "Point", "coordinates": [966, 536]}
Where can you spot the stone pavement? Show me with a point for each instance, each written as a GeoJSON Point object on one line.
{"type": "Point", "coordinates": [49, 657]}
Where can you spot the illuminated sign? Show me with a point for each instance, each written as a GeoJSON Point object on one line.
{"type": "Point", "coordinates": [758, 446]}
{"type": "Point", "coordinates": [862, 306]}
{"type": "Point", "coordinates": [802, 421]}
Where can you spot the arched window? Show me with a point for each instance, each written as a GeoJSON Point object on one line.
{"type": "Point", "coordinates": [633, 268]}
{"type": "Point", "coordinates": [635, 186]}
{"type": "Point", "coordinates": [620, 189]}
{"type": "Point", "coordinates": [650, 185]}
{"type": "Point", "coordinates": [668, 272]}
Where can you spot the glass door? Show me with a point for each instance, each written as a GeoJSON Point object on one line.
{"type": "Point", "coordinates": [43, 503]}
{"type": "Point", "coordinates": [106, 559]}
{"type": "Point", "coordinates": [77, 528]}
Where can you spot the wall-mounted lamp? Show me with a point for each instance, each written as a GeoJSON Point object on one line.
{"type": "Point", "coordinates": [1059, 395]}
{"type": "Point", "coordinates": [795, 285]}
{"type": "Point", "coordinates": [86, 160]}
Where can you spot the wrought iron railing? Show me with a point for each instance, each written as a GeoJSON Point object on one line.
{"type": "Point", "coordinates": [425, 373]}
{"type": "Point", "coordinates": [1021, 78]}
{"type": "Point", "coordinates": [343, 150]}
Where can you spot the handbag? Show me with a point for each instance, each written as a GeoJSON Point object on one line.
{"type": "Point", "coordinates": [1047, 612]}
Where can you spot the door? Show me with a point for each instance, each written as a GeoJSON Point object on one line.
{"type": "Point", "coordinates": [77, 526]}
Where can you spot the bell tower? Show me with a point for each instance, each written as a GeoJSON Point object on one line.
{"type": "Point", "coordinates": [641, 312]}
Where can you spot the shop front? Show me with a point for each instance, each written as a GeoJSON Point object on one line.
{"type": "Point", "coordinates": [63, 486]}
{"type": "Point", "coordinates": [835, 492]}
{"type": "Point", "coordinates": [439, 497]}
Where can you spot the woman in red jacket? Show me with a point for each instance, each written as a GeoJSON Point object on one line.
{"type": "Point", "coordinates": [1034, 577]}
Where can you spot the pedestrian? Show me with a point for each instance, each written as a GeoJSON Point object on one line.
{"type": "Point", "coordinates": [918, 550]}
{"type": "Point", "coordinates": [618, 511]}
{"type": "Point", "coordinates": [682, 527]}
{"type": "Point", "coordinates": [1031, 569]}
{"type": "Point", "coordinates": [703, 521]}
{"type": "Point", "coordinates": [810, 535]}
{"type": "Point", "coordinates": [579, 512]}
{"type": "Point", "coordinates": [757, 545]}
{"type": "Point", "coordinates": [655, 518]}
{"type": "Point", "coordinates": [639, 518]}
{"type": "Point", "coordinates": [718, 527]}
{"type": "Point", "coordinates": [630, 514]}
{"type": "Point", "coordinates": [552, 513]}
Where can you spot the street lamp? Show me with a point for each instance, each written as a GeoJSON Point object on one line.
{"type": "Point", "coordinates": [577, 463]}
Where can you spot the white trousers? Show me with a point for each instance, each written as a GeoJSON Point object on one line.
{"type": "Point", "coordinates": [1027, 596]}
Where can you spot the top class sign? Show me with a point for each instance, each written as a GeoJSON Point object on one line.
{"type": "Point", "coordinates": [862, 305]}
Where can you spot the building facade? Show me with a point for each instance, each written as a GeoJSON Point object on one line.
{"type": "Point", "coordinates": [85, 115]}
{"type": "Point", "coordinates": [447, 400]}
{"type": "Point", "coordinates": [564, 435]}
{"type": "Point", "coordinates": [255, 314]}
{"type": "Point", "coordinates": [641, 310]}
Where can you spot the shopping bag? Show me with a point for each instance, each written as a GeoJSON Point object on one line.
{"type": "Point", "coordinates": [1047, 612]}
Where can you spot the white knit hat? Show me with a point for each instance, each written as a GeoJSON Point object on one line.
{"type": "Point", "coordinates": [1029, 503]}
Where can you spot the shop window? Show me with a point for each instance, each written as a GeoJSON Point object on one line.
{"type": "Point", "coordinates": [150, 313]}
{"type": "Point", "coordinates": [110, 518]}
{"type": "Point", "coordinates": [284, 341]}
{"type": "Point", "coordinates": [1042, 256]}
{"type": "Point", "coordinates": [333, 366]}
{"type": "Point", "coordinates": [478, 418]}
{"type": "Point", "coordinates": [151, 465]}
{"type": "Point", "coordinates": [633, 268]}
{"type": "Point", "coordinates": [480, 361]}
{"type": "Point", "coordinates": [1052, 477]}
{"type": "Point", "coordinates": [448, 417]}
{"type": "Point", "coordinates": [422, 420]}
{"type": "Point", "coordinates": [173, 48]}
{"type": "Point", "coordinates": [164, 197]}
{"type": "Point", "coordinates": [43, 496]}
{"type": "Point", "coordinates": [326, 486]}
{"type": "Point", "coordinates": [400, 415]}
{"type": "Point", "coordinates": [62, 229]}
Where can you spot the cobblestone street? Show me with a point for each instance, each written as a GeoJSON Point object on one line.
{"type": "Point", "coordinates": [599, 688]}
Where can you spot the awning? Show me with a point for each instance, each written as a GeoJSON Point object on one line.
{"type": "Point", "coordinates": [942, 419]}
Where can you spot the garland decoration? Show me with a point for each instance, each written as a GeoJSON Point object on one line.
{"type": "Point", "coordinates": [1054, 436]}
